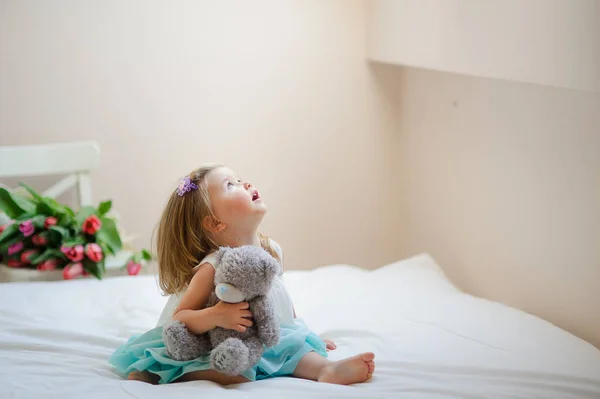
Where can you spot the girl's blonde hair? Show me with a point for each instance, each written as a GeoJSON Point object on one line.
{"type": "Point", "coordinates": [181, 240]}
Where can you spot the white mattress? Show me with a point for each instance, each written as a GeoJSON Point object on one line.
{"type": "Point", "coordinates": [430, 340]}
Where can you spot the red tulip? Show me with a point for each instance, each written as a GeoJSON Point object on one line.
{"type": "Point", "coordinates": [27, 228]}
{"type": "Point", "coordinates": [49, 264]}
{"type": "Point", "coordinates": [14, 248]}
{"type": "Point", "coordinates": [72, 270]}
{"type": "Point", "coordinates": [39, 240]}
{"type": "Point", "coordinates": [28, 255]}
{"type": "Point", "coordinates": [14, 263]}
{"type": "Point", "coordinates": [133, 268]}
{"type": "Point", "coordinates": [94, 252]}
{"type": "Point", "coordinates": [75, 253]}
{"type": "Point", "coordinates": [2, 228]}
{"type": "Point", "coordinates": [50, 221]}
{"type": "Point", "coordinates": [91, 225]}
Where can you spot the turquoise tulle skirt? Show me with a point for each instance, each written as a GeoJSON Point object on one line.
{"type": "Point", "coordinates": [147, 352]}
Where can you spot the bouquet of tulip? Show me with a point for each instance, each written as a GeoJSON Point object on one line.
{"type": "Point", "coordinates": [46, 235]}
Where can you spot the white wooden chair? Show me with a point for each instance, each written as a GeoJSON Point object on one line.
{"type": "Point", "coordinates": [74, 159]}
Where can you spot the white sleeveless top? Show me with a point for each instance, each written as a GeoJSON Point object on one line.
{"type": "Point", "coordinates": [279, 296]}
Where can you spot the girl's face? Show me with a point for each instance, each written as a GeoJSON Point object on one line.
{"type": "Point", "coordinates": [234, 201]}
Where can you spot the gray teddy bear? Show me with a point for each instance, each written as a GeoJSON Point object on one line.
{"type": "Point", "coordinates": [241, 274]}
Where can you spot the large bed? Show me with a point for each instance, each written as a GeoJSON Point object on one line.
{"type": "Point", "coordinates": [430, 339]}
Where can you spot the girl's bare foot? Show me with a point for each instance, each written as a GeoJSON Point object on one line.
{"type": "Point", "coordinates": [348, 371]}
{"type": "Point", "coordinates": [143, 376]}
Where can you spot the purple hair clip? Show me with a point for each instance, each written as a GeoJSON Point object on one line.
{"type": "Point", "coordinates": [185, 185]}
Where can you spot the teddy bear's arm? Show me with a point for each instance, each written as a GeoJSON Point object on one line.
{"type": "Point", "coordinates": [265, 320]}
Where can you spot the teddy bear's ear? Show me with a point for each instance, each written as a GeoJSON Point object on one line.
{"type": "Point", "coordinates": [272, 266]}
{"type": "Point", "coordinates": [219, 254]}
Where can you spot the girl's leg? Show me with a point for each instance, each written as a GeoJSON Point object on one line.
{"type": "Point", "coordinates": [310, 366]}
{"type": "Point", "coordinates": [204, 375]}
{"type": "Point", "coordinates": [347, 371]}
{"type": "Point", "coordinates": [214, 376]}
{"type": "Point", "coordinates": [143, 376]}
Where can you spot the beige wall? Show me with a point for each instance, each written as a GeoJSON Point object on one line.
{"type": "Point", "coordinates": [550, 42]}
{"type": "Point", "coordinates": [500, 182]}
{"type": "Point", "coordinates": [360, 163]}
{"type": "Point", "coordinates": [279, 90]}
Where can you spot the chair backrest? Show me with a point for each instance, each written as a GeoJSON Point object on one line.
{"type": "Point", "coordinates": [76, 160]}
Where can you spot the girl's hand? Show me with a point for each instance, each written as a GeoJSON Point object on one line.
{"type": "Point", "coordinates": [232, 316]}
{"type": "Point", "coordinates": [330, 345]}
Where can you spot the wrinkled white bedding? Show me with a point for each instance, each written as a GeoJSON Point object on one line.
{"type": "Point", "coordinates": [431, 341]}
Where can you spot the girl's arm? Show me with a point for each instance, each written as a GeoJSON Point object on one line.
{"type": "Point", "coordinates": [191, 311]}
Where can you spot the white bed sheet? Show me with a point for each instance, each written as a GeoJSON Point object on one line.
{"type": "Point", "coordinates": [430, 340]}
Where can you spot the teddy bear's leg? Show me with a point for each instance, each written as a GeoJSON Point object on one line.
{"type": "Point", "coordinates": [266, 322]}
{"type": "Point", "coordinates": [182, 344]}
{"type": "Point", "coordinates": [230, 357]}
{"type": "Point", "coordinates": [255, 350]}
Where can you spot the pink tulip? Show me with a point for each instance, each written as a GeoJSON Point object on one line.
{"type": "Point", "coordinates": [39, 240]}
{"type": "Point", "coordinates": [28, 255]}
{"type": "Point", "coordinates": [27, 228]}
{"type": "Point", "coordinates": [49, 264]}
{"type": "Point", "coordinates": [14, 263]}
{"type": "Point", "coordinates": [50, 221]}
{"type": "Point", "coordinates": [14, 248]}
{"type": "Point", "coordinates": [75, 253]}
{"type": "Point", "coordinates": [133, 268]}
{"type": "Point", "coordinates": [94, 252]}
{"type": "Point", "coordinates": [72, 270]}
{"type": "Point", "coordinates": [91, 225]}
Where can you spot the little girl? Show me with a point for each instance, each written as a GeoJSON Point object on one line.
{"type": "Point", "coordinates": [212, 208]}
